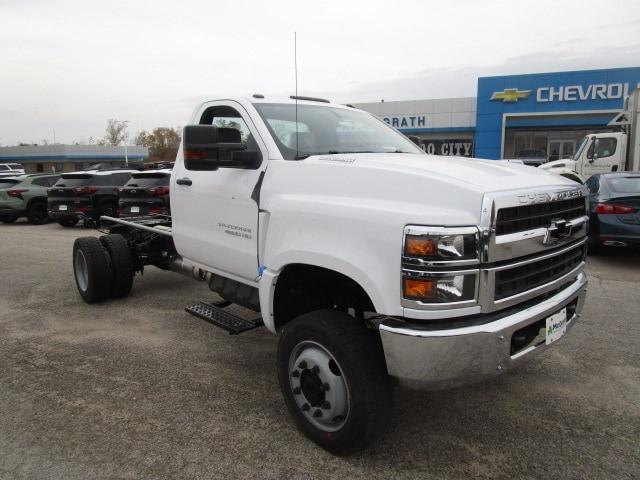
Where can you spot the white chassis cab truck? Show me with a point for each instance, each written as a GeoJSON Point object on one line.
{"type": "Point", "coordinates": [375, 263]}
{"type": "Point", "coordinates": [606, 152]}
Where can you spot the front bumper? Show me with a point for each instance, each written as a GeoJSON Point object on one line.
{"type": "Point", "coordinates": [428, 358]}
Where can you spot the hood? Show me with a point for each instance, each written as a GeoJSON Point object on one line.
{"type": "Point", "coordinates": [566, 163]}
{"type": "Point", "coordinates": [420, 189]}
{"type": "Point", "coordinates": [470, 173]}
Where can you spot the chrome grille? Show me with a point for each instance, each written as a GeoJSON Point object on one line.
{"type": "Point", "coordinates": [528, 217]}
{"type": "Point", "coordinates": [522, 278]}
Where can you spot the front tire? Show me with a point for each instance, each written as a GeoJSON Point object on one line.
{"type": "Point", "coordinates": [8, 219]}
{"type": "Point", "coordinates": [91, 269]}
{"type": "Point", "coordinates": [334, 380]}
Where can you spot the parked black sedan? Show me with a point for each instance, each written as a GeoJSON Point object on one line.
{"type": "Point", "coordinates": [614, 209]}
{"type": "Point", "coordinates": [146, 193]}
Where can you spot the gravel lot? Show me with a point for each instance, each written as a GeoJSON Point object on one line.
{"type": "Point", "coordinates": [137, 388]}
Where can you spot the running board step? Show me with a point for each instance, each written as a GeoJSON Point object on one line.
{"type": "Point", "coordinates": [220, 318]}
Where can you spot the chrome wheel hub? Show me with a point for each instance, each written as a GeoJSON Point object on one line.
{"type": "Point", "coordinates": [318, 385]}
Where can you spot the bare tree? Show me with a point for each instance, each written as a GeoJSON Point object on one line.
{"type": "Point", "coordinates": [116, 133]}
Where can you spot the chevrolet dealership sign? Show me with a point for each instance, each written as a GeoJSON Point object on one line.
{"type": "Point", "coordinates": [568, 93]}
{"type": "Point", "coordinates": [573, 93]}
{"type": "Point", "coordinates": [511, 95]}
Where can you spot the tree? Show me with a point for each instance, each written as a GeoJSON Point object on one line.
{"type": "Point", "coordinates": [162, 142]}
{"type": "Point", "coordinates": [116, 133]}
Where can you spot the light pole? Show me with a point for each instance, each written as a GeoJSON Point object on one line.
{"type": "Point", "coordinates": [124, 141]}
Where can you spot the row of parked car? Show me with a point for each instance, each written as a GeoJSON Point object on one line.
{"type": "Point", "coordinates": [71, 197]}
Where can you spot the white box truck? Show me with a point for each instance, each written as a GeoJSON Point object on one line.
{"type": "Point", "coordinates": [606, 152]}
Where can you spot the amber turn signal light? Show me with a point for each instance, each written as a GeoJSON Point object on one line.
{"type": "Point", "coordinates": [419, 289]}
{"type": "Point", "coordinates": [420, 246]}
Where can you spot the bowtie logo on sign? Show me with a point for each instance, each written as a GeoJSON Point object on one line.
{"type": "Point", "coordinates": [511, 95]}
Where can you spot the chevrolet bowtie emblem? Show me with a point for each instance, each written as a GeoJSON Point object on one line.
{"type": "Point", "coordinates": [510, 95]}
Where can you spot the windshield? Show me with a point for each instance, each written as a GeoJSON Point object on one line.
{"type": "Point", "coordinates": [583, 144]}
{"type": "Point", "coordinates": [329, 130]}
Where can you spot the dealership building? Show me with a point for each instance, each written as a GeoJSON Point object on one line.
{"type": "Point", "coordinates": [69, 158]}
{"type": "Point", "coordinates": [547, 112]}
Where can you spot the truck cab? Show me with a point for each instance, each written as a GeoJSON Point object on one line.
{"type": "Point", "coordinates": [606, 152]}
{"type": "Point", "coordinates": [374, 263]}
{"type": "Point", "coordinates": [598, 153]}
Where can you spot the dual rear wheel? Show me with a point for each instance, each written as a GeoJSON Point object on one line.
{"type": "Point", "coordinates": [102, 268]}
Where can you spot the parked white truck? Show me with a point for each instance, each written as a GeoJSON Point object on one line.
{"type": "Point", "coordinates": [606, 152]}
{"type": "Point", "coordinates": [375, 263]}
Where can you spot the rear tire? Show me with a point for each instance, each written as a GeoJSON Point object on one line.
{"type": "Point", "coordinates": [121, 264]}
{"type": "Point", "coordinates": [67, 222]}
{"type": "Point", "coordinates": [37, 213]}
{"type": "Point", "coordinates": [334, 380]}
{"type": "Point", "coordinates": [91, 269]}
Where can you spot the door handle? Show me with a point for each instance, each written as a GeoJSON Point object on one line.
{"type": "Point", "coordinates": [184, 181]}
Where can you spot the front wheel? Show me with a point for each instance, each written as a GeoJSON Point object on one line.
{"type": "Point", "coordinates": [8, 219]}
{"type": "Point", "coordinates": [334, 380]}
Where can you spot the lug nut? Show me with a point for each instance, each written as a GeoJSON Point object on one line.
{"type": "Point", "coordinates": [325, 387]}
{"type": "Point", "coordinates": [317, 413]}
{"type": "Point", "coordinates": [315, 370]}
{"type": "Point", "coordinates": [305, 407]}
{"type": "Point", "coordinates": [296, 373]}
{"type": "Point", "coordinates": [296, 391]}
{"type": "Point", "coordinates": [326, 405]}
{"type": "Point", "coordinates": [302, 365]}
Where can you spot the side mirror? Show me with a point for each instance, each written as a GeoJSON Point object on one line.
{"type": "Point", "coordinates": [207, 147]}
{"type": "Point", "coordinates": [594, 157]}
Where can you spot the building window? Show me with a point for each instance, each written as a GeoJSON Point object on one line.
{"type": "Point", "coordinates": [39, 167]}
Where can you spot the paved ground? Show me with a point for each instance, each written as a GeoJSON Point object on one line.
{"type": "Point", "coordinates": [139, 389]}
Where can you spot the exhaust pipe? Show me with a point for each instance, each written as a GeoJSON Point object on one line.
{"type": "Point", "coordinates": [182, 266]}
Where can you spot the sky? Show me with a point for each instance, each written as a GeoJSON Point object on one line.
{"type": "Point", "coordinates": [68, 66]}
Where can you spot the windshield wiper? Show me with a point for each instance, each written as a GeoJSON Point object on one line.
{"type": "Point", "coordinates": [337, 152]}
{"type": "Point", "coordinates": [330, 152]}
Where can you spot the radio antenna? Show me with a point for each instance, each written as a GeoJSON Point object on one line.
{"type": "Point", "coordinates": [295, 67]}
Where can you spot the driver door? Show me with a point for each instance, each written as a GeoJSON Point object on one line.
{"type": "Point", "coordinates": [215, 220]}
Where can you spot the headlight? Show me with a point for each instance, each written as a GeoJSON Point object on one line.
{"type": "Point", "coordinates": [449, 287]}
{"type": "Point", "coordinates": [442, 246]}
{"type": "Point", "coordinates": [439, 266]}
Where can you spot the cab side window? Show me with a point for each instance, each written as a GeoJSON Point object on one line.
{"type": "Point", "coordinates": [606, 147]}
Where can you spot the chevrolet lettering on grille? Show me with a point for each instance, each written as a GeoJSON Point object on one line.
{"type": "Point", "coordinates": [549, 197]}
